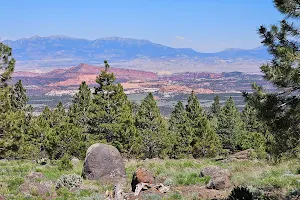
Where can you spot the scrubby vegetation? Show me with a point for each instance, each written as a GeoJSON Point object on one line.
{"type": "Point", "coordinates": [182, 175]}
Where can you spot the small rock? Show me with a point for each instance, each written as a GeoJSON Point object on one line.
{"type": "Point", "coordinates": [242, 155]}
{"type": "Point", "coordinates": [2, 198]}
{"type": "Point", "coordinates": [163, 189]}
{"type": "Point", "coordinates": [33, 176]}
{"type": "Point", "coordinates": [75, 161]}
{"type": "Point", "coordinates": [213, 171]}
{"type": "Point", "coordinates": [141, 175]}
{"type": "Point", "coordinates": [219, 183]}
{"type": "Point", "coordinates": [220, 178]}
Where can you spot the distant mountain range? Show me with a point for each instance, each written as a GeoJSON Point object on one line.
{"type": "Point", "coordinates": [57, 51]}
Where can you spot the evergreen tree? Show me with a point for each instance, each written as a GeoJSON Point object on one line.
{"type": "Point", "coordinates": [39, 130]}
{"type": "Point", "coordinates": [181, 132]}
{"type": "Point", "coordinates": [214, 113]}
{"type": "Point", "coordinates": [230, 125]}
{"type": "Point", "coordinates": [65, 138]}
{"type": "Point", "coordinates": [83, 97]}
{"type": "Point", "coordinates": [205, 141]}
{"type": "Point", "coordinates": [19, 98]}
{"type": "Point", "coordinates": [152, 129]}
{"type": "Point", "coordinates": [110, 114]}
{"type": "Point", "coordinates": [12, 127]}
{"type": "Point", "coordinates": [250, 118]}
{"type": "Point", "coordinates": [78, 112]}
{"type": "Point", "coordinates": [12, 122]}
{"type": "Point", "coordinates": [280, 110]}
{"type": "Point", "coordinates": [215, 108]}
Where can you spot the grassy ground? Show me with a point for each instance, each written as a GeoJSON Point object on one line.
{"type": "Point", "coordinates": [176, 173]}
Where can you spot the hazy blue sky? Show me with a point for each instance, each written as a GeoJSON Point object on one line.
{"type": "Point", "coordinates": [204, 25]}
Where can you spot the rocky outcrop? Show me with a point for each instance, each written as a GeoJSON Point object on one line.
{"type": "Point", "coordinates": [141, 175]}
{"type": "Point", "coordinates": [219, 178]}
{"type": "Point", "coordinates": [103, 162]}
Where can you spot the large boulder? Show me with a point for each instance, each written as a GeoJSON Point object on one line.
{"type": "Point", "coordinates": [103, 162]}
{"type": "Point", "coordinates": [219, 178]}
{"type": "Point", "coordinates": [141, 175]}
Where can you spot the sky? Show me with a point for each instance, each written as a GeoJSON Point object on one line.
{"type": "Point", "coordinates": [204, 25]}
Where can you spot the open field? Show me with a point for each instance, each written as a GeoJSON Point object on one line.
{"type": "Point", "coordinates": [181, 175]}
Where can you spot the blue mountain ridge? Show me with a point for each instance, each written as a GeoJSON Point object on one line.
{"type": "Point", "coordinates": [115, 49]}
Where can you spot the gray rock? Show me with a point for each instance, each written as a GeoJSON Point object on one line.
{"type": "Point", "coordinates": [103, 162]}
{"type": "Point", "coordinates": [214, 171]}
{"type": "Point", "coordinates": [220, 178]}
{"type": "Point", "coordinates": [219, 182]}
{"type": "Point", "coordinates": [75, 161]}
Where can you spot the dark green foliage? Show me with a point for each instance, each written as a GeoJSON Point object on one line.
{"type": "Point", "coordinates": [110, 114]}
{"type": "Point", "coordinates": [65, 138]}
{"type": "Point", "coordinates": [78, 112]}
{"type": "Point", "coordinates": [215, 108]}
{"type": "Point", "coordinates": [12, 128]}
{"type": "Point", "coordinates": [65, 163]}
{"type": "Point", "coordinates": [12, 121]}
{"type": "Point", "coordinates": [19, 98]}
{"type": "Point", "coordinates": [250, 118]}
{"type": "Point", "coordinates": [257, 136]}
{"type": "Point", "coordinates": [153, 140]}
{"type": "Point", "coordinates": [205, 141]}
{"type": "Point", "coordinates": [230, 125]}
{"type": "Point", "coordinates": [181, 132]}
{"type": "Point", "coordinates": [280, 110]}
{"type": "Point", "coordinates": [240, 193]}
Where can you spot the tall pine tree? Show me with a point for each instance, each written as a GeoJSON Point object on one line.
{"type": "Point", "coordinates": [19, 98]}
{"type": "Point", "coordinates": [110, 114]}
{"type": "Point", "coordinates": [152, 130]}
{"type": "Point", "coordinates": [12, 121]}
{"type": "Point", "coordinates": [205, 141]}
{"type": "Point", "coordinates": [181, 132]}
{"type": "Point", "coordinates": [78, 112]}
{"type": "Point", "coordinates": [280, 110]}
{"type": "Point", "coordinates": [230, 125]}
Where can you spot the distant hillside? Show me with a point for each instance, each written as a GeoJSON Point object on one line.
{"type": "Point", "coordinates": [54, 51]}
{"type": "Point", "coordinates": [75, 75]}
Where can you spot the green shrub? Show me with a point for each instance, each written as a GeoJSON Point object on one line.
{"type": "Point", "coordinates": [65, 163]}
{"type": "Point", "coordinates": [240, 193]}
{"type": "Point", "coordinates": [69, 181]}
